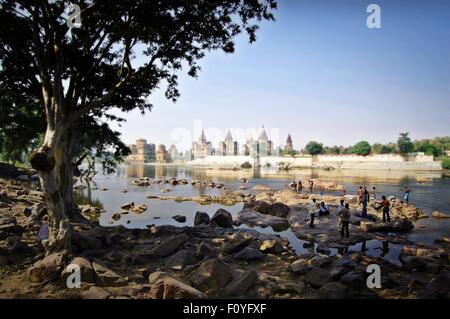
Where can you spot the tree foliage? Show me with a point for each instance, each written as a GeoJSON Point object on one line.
{"type": "Point", "coordinates": [314, 148]}
{"type": "Point", "coordinates": [404, 144]}
{"type": "Point", "coordinates": [361, 148]}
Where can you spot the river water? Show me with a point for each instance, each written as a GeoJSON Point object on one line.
{"type": "Point", "coordinates": [430, 191]}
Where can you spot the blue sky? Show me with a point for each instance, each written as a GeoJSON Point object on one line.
{"type": "Point", "coordinates": [319, 73]}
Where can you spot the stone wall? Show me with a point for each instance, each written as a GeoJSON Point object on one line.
{"type": "Point", "coordinates": [373, 162]}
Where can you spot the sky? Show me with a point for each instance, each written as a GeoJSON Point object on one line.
{"type": "Point", "coordinates": [319, 73]}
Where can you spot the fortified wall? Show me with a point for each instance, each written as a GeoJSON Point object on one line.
{"type": "Point", "coordinates": [414, 162]}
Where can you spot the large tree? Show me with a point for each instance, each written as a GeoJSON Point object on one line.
{"type": "Point", "coordinates": [122, 52]}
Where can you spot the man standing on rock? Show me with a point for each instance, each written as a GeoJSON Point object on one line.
{"type": "Point", "coordinates": [344, 217]}
{"type": "Point", "coordinates": [385, 204]}
{"type": "Point", "coordinates": [365, 200]}
{"type": "Point", "coordinates": [299, 187]}
{"type": "Point", "coordinates": [312, 211]}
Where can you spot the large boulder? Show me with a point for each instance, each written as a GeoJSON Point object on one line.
{"type": "Point", "coordinates": [87, 272]}
{"type": "Point", "coordinates": [164, 286]}
{"type": "Point", "coordinates": [438, 214]}
{"type": "Point", "coordinates": [212, 274]}
{"type": "Point", "coordinates": [280, 210]}
{"type": "Point", "coordinates": [271, 247]}
{"type": "Point", "coordinates": [222, 218]}
{"type": "Point", "coordinates": [201, 218]}
{"type": "Point", "coordinates": [317, 277]}
{"type": "Point", "coordinates": [241, 283]}
{"type": "Point", "coordinates": [205, 249]}
{"type": "Point", "coordinates": [249, 253]}
{"type": "Point", "coordinates": [333, 290]}
{"type": "Point", "coordinates": [397, 226]}
{"type": "Point", "coordinates": [105, 277]}
{"type": "Point", "coordinates": [253, 218]}
{"type": "Point", "coordinates": [354, 279]}
{"type": "Point", "coordinates": [46, 269]}
{"type": "Point", "coordinates": [180, 260]}
{"type": "Point", "coordinates": [169, 246]}
{"type": "Point", "coordinates": [237, 242]}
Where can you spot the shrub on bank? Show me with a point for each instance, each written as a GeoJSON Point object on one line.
{"type": "Point", "coordinates": [445, 162]}
{"type": "Point", "coordinates": [246, 165]}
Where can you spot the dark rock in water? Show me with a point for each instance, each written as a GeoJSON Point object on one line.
{"type": "Point", "coordinates": [180, 218]}
{"type": "Point", "coordinates": [222, 218]}
{"type": "Point", "coordinates": [169, 246]}
{"type": "Point", "coordinates": [323, 250]}
{"type": "Point", "coordinates": [241, 283]}
{"type": "Point", "coordinates": [354, 279]}
{"type": "Point", "coordinates": [254, 218]}
{"type": "Point", "coordinates": [206, 250]}
{"type": "Point", "coordinates": [397, 226]}
{"type": "Point", "coordinates": [212, 274]}
{"type": "Point", "coordinates": [415, 262]}
{"type": "Point", "coordinates": [237, 242]}
{"type": "Point", "coordinates": [439, 287]}
{"type": "Point", "coordinates": [201, 218]}
{"type": "Point", "coordinates": [280, 210]}
{"type": "Point", "coordinates": [249, 254]}
{"type": "Point", "coordinates": [180, 259]}
{"type": "Point", "coordinates": [317, 277]}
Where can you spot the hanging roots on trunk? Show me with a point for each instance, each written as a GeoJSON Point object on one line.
{"type": "Point", "coordinates": [41, 161]}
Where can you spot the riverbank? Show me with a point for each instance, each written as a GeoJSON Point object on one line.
{"type": "Point", "coordinates": [218, 256]}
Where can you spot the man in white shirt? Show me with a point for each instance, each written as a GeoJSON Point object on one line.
{"type": "Point", "coordinates": [312, 211]}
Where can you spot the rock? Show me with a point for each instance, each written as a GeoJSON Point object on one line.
{"type": "Point", "coordinates": [237, 242]}
{"type": "Point", "coordinates": [261, 188]}
{"type": "Point", "coordinates": [7, 224]}
{"type": "Point", "coordinates": [271, 247]}
{"type": "Point", "coordinates": [415, 262]}
{"type": "Point", "coordinates": [201, 218]}
{"type": "Point", "coordinates": [180, 218]}
{"type": "Point", "coordinates": [206, 250]}
{"type": "Point", "coordinates": [254, 218]}
{"type": "Point", "coordinates": [354, 280]}
{"type": "Point", "coordinates": [300, 266]}
{"type": "Point", "coordinates": [212, 274]}
{"type": "Point", "coordinates": [249, 254]}
{"type": "Point", "coordinates": [438, 214]}
{"type": "Point", "coordinates": [165, 286]}
{"type": "Point", "coordinates": [337, 272]}
{"type": "Point", "coordinates": [260, 206]}
{"type": "Point", "coordinates": [168, 246]}
{"type": "Point", "coordinates": [323, 250]}
{"type": "Point", "coordinates": [116, 216]}
{"type": "Point", "coordinates": [23, 178]}
{"type": "Point", "coordinates": [333, 290]}
{"type": "Point", "coordinates": [46, 269]}
{"type": "Point", "coordinates": [280, 210]}
{"type": "Point", "coordinates": [27, 212]}
{"type": "Point", "coordinates": [288, 287]}
{"type": "Point", "coordinates": [86, 271]}
{"type": "Point", "coordinates": [317, 277]}
{"type": "Point", "coordinates": [398, 226]}
{"type": "Point", "coordinates": [222, 218]}
{"type": "Point", "coordinates": [241, 283]}
{"type": "Point", "coordinates": [319, 261]}
{"type": "Point", "coordinates": [127, 206]}
{"type": "Point", "coordinates": [180, 260]}
{"type": "Point", "coordinates": [105, 277]}
{"type": "Point", "coordinates": [95, 293]}
{"type": "Point", "coordinates": [139, 209]}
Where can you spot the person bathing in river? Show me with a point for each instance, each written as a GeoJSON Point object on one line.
{"type": "Point", "coordinates": [323, 210]}
{"type": "Point", "coordinates": [364, 201]}
{"type": "Point", "coordinates": [344, 218]}
{"type": "Point", "coordinates": [312, 212]}
{"type": "Point", "coordinates": [385, 204]}
{"type": "Point", "coordinates": [406, 194]}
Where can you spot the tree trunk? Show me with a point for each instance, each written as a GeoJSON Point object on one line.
{"type": "Point", "coordinates": [49, 163]}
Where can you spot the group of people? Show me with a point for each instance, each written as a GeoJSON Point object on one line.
{"type": "Point", "coordinates": [343, 210]}
{"type": "Point", "coordinates": [298, 186]}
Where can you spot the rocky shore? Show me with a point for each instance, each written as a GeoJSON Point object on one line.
{"type": "Point", "coordinates": [218, 257]}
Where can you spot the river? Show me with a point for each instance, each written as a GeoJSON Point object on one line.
{"type": "Point", "coordinates": [430, 191]}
